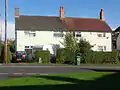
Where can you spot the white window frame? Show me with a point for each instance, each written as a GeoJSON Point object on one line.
{"type": "Point", "coordinates": [56, 34]}
{"type": "Point", "coordinates": [78, 34]}
{"type": "Point", "coordinates": [30, 33]}
{"type": "Point", "coordinates": [101, 34]}
{"type": "Point", "coordinates": [102, 48]}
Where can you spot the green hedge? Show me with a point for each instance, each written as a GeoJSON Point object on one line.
{"type": "Point", "coordinates": [65, 56]}
{"type": "Point", "coordinates": [93, 57]}
{"type": "Point", "coordinates": [44, 54]}
{"type": "Point", "coordinates": [101, 57]}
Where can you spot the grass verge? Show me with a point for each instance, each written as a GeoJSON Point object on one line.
{"type": "Point", "coordinates": [77, 81]}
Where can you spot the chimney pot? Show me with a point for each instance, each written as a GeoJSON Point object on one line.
{"type": "Point", "coordinates": [16, 12]}
{"type": "Point", "coordinates": [62, 12]}
{"type": "Point", "coordinates": [102, 14]}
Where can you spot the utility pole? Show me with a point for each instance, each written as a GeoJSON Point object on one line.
{"type": "Point", "coordinates": [6, 18]}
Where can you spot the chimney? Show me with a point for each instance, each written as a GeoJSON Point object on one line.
{"type": "Point", "coordinates": [102, 14]}
{"type": "Point", "coordinates": [62, 12]}
{"type": "Point", "coordinates": [17, 12]}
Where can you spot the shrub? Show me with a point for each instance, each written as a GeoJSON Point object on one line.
{"type": "Point", "coordinates": [65, 56]}
{"type": "Point", "coordinates": [9, 56]}
{"type": "Point", "coordinates": [101, 57]}
{"type": "Point", "coordinates": [44, 54]}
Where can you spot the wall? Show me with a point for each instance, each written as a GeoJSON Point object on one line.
{"type": "Point", "coordinates": [93, 38]}
{"type": "Point", "coordinates": [41, 38]}
{"type": "Point", "coordinates": [118, 42]}
{"type": "Point", "coordinates": [47, 38]}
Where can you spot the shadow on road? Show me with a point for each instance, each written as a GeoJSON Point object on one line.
{"type": "Point", "coordinates": [108, 82]}
{"type": "Point", "coordinates": [102, 70]}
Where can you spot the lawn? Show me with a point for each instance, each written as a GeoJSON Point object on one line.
{"type": "Point", "coordinates": [77, 81]}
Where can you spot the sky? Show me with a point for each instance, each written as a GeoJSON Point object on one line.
{"type": "Point", "coordinates": [73, 8]}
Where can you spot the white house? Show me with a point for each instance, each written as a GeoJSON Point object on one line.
{"type": "Point", "coordinates": [44, 32]}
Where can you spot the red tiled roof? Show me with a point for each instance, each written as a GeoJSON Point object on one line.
{"type": "Point", "coordinates": [86, 24]}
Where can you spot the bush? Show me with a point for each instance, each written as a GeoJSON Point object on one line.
{"type": "Point", "coordinates": [65, 56]}
{"type": "Point", "coordinates": [101, 57]}
{"type": "Point", "coordinates": [9, 56]}
{"type": "Point", "coordinates": [44, 54]}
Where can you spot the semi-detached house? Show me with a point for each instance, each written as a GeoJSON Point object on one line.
{"type": "Point", "coordinates": [43, 32]}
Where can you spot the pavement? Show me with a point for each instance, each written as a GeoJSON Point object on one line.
{"type": "Point", "coordinates": [13, 70]}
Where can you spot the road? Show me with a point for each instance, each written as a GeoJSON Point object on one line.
{"type": "Point", "coordinates": [44, 69]}
{"type": "Point", "coordinates": [49, 69]}
{"type": "Point", "coordinates": [22, 70]}
{"type": "Point", "coordinates": [29, 69]}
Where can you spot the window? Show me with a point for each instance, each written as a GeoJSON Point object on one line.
{"type": "Point", "coordinates": [104, 35]}
{"type": "Point", "coordinates": [101, 34]}
{"type": "Point", "coordinates": [58, 34]}
{"type": "Point", "coordinates": [30, 33]}
{"type": "Point", "coordinates": [102, 48]}
{"type": "Point", "coordinates": [26, 46]}
{"type": "Point", "coordinates": [78, 34]}
{"type": "Point", "coordinates": [28, 51]}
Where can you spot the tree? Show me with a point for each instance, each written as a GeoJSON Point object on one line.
{"type": "Point", "coordinates": [70, 42]}
{"type": "Point", "coordinates": [71, 46]}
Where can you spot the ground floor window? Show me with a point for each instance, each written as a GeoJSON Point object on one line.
{"type": "Point", "coordinates": [28, 51]}
{"type": "Point", "coordinates": [102, 48]}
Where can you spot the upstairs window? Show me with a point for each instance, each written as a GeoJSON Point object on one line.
{"type": "Point", "coordinates": [58, 34]}
{"type": "Point", "coordinates": [101, 34]}
{"type": "Point", "coordinates": [30, 33]}
{"type": "Point", "coordinates": [78, 34]}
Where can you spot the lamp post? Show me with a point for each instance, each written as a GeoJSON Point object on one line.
{"type": "Point", "coordinates": [6, 18]}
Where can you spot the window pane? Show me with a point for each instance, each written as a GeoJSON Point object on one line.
{"type": "Point", "coordinates": [100, 48]}
{"type": "Point", "coordinates": [104, 34]}
{"type": "Point", "coordinates": [26, 46]}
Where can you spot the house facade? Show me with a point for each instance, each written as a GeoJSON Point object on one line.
{"type": "Point", "coordinates": [46, 32]}
{"type": "Point", "coordinates": [116, 39]}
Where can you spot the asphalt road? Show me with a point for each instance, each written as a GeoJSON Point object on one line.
{"type": "Point", "coordinates": [40, 69]}
{"type": "Point", "coordinates": [23, 70]}
{"type": "Point", "coordinates": [29, 69]}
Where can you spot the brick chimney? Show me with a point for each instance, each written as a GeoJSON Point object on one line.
{"type": "Point", "coordinates": [62, 12]}
{"type": "Point", "coordinates": [102, 14]}
{"type": "Point", "coordinates": [16, 12]}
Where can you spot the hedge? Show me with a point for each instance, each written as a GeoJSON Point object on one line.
{"type": "Point", "coordinates": [93, 57]}
{"type": "Point", "coordinates": [44, 54]}
{"type": "Point", "coordinates": [101, 57]}
{"type": "Point", "coordinates": [65, 56]}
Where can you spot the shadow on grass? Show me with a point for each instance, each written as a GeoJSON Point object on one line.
{"type": "Point", "coordinates": [108, 82]}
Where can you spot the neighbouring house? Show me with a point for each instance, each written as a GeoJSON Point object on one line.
{"type": "Point", "coordinates": [46, 32]}
{"type": "Point", "coordinates": [116, 39]}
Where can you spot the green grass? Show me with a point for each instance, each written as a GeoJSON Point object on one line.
{"type": "Point", "coordinates": [77, 81]}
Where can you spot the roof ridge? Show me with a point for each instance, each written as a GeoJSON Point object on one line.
{"type": "Point", "coordinates": [37, 16]}
{"type": "Point", "coordinates": [83, 18]}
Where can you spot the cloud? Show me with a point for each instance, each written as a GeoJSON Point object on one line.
{"type": "Point", "coordinates": [10, 31]}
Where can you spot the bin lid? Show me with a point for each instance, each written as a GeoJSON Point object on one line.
{"type": "Point", "coordinates": [77, 56]}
